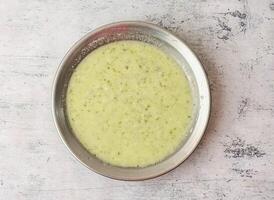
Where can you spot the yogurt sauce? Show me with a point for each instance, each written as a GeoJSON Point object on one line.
{"type": "Point", "coordinates": [129, 104]}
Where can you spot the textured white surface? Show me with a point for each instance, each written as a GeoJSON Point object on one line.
{"type": "Point", "coordinates": [235, 42]}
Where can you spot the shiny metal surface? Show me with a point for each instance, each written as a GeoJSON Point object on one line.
{"type": "Point", "coordinates": [132, 30]}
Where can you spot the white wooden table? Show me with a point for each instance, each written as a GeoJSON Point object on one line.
{"type": "Point", "coordinates": [234, 40]}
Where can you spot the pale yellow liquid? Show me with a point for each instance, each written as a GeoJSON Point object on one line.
{"type": "Point", "coordinates": [130, 104]}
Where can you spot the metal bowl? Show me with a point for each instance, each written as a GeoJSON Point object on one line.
{"type": "Point", "coordinates": [132, 30]}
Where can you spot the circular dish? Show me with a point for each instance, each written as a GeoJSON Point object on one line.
{"type": "Point", "coordinates": [172, 45]}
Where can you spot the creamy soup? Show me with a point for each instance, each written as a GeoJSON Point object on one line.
{"type": "Point", "coordinates": [129, 104]}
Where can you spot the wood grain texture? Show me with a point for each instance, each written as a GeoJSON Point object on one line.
{"type": "Point", "coordinates": [235, 42]}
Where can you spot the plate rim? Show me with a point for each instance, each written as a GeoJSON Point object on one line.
{"type": "Point", "coordinates": [152, 26]}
